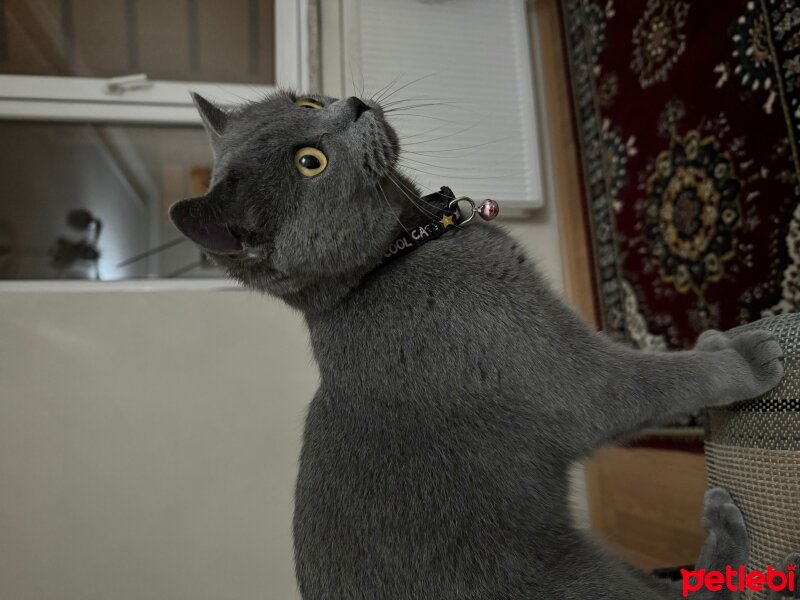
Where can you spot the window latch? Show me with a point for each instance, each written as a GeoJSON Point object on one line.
{"type": "Point", "coordinates": [127, 83]}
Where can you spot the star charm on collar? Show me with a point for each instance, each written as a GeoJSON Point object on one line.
{"type": "Point", "coordinates": [446, 221]}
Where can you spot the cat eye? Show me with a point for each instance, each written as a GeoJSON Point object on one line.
{"type": "Point", "coordinates": [308, 103]}
{"type": "Point", "coordinates": [310, 161]}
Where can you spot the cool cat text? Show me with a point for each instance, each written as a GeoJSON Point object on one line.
{"type": "Point", "coordinates": [417, 234]}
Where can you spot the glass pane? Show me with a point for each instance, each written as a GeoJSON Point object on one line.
{"type": "Point", "coordinates": [177, 40]}
{"type": "Point", "coordinates": [82, 201]}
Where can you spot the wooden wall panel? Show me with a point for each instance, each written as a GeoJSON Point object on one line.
{"type": "Point", "coordinates": [576, 256]}
{"type": "Point", "coordinates": [647, 504]}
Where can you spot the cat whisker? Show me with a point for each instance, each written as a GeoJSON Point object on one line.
{"type": "Point", "coordinates": [380, 91]}
{"type": "Point", "coordinates": [441, 150]}
{"type": "Point", "coordinates": [399, 182]}
{"type": "Point", "coordinates": [424, 105]}
{"type": "Point", "coordinates": [430, 164]}
{"type": "Point", "coordinates": [389, 206]}
{"type": "Point", "coordinates": [421, 133]}
{"type": "Point", "coordinates": [352, 71]}
{"type": "Point", "coordinates": [363, 84]}
{"type": "Point", "coordinates": [427, 100]}
{"type": "Point", "coordinates": [445, 157]}
{"type": "Point", "coordinates": [385, 89]}
{"type": "Point", "coordinates": [151, 252]}
{"type": "Point", "coordinates": [421, 99]}
{"type": "Point", "coordinates": [447, 153]}
{"type": "Point", "coordinates": [410, 197]}
{"type": "Point", "coordinates": [473, 126]}
{"type": "Point", "coordinates": [413, 81]}
{"type": "Point", "coordinates": [415, 180]}
{"type": "Point", "coordinates": [455, 156]}
{"type": "Point", "coordinates": [421, 116]}
{"type": "Point", "coordinates": [406, 166]}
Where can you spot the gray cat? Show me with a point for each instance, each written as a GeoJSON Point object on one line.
{"type": "Point", "coordinates": [456, 389]}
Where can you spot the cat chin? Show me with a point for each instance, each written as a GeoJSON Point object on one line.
{"type": "Point", "coordinates": [256, 275]}
{"type": "Point", "coordinates": [279, 289]}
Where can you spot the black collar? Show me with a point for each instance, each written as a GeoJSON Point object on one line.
{"type": "Point", "coordinates": [439, 221]}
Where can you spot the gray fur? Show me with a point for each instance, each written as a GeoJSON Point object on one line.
{"type": "Point", "coordinates": [456, 389]}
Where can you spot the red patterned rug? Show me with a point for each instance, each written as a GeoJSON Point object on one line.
{"type": "Point", "coordinates": [688, 117]}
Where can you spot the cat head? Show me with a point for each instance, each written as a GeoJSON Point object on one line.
{"type": "Point", "coordinates": [304, 196]}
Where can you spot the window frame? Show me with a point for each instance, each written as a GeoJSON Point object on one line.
{"type": "Point", "coordinates": [57, 98]}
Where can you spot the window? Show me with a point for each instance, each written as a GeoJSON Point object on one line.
{"type": "Point", "coordinates": [84, 201]}
{"type": "Point", "coordinates": [98, 135]}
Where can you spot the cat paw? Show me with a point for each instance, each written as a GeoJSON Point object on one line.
{"type": "Point", "coordinates": [721, 515]}
{"type": "Point", "coordinates": [724, 523]}
{"type": "Point", "coordinates": [711, 340]}
{"type": "Point", "coordinates": [753, 360]}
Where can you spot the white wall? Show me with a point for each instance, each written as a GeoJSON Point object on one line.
{"type": "Point", "coordinates": [148, 444]}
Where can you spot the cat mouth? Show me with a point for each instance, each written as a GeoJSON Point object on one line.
{"type": "Point", "coordinates": [243, 253]}
{"type": "Point", "coordinates": [220, 241]}
{"type": "Point", "coordinates": [213, 237]}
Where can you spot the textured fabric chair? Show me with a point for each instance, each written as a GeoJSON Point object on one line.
{"type": "Point", "coordinates": [753, 451]}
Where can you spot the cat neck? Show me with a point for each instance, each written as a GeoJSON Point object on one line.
{"type": "Point", "coordinates": [326, 294]}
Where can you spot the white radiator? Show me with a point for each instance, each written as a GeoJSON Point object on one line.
{"type": "Point", "coordinates": [473, 57]}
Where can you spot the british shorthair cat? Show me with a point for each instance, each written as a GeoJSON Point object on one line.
{"type": "Point", "coordinates": [455, 388]}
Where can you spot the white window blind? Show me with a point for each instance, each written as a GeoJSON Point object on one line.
{"type": "Point", "coordinates": [468, 120]}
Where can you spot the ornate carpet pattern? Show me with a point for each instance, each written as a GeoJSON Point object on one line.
{"type": "Point", "coordinates": [688, 118]}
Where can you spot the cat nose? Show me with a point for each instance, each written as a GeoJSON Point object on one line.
{"type": "Point", "coordinates": [358, 106]}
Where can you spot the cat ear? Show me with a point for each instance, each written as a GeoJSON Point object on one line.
{"type": "Point", "coordinates": [215, 119]}
{"type": "Point", "coordinates": [198, 220]}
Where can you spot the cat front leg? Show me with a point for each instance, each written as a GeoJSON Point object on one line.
{"type": "Point", "coordinates": [636, 389]}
